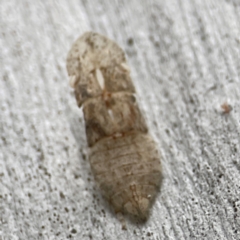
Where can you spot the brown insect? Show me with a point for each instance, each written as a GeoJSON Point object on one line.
{"type": "Point", "coordinates": [226, 108]}
{"type": "Point", "coordinates": [123, 156]}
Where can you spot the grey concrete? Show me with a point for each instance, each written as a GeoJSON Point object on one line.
{"type": "Point", "coordinates": [185, 63]}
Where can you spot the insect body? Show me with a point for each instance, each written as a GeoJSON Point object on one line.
{"type": "Point", "coordinates": [123, 156]}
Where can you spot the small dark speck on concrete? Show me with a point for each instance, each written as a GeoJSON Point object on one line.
{"type": "Point", "coordinates": [84, 156]}
{"type": "Point", "coordinates": [62, 195]}
{"type": "Point", "coordinates": [130, 41]}
{"type": "Point", "coordinates": [74, 231]}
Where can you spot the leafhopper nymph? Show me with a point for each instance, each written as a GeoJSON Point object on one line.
{"type": "Point", "coordinates": [123, 156]}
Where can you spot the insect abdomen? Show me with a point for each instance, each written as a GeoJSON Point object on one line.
{"type": "Point", "coordinates": [128, 172]}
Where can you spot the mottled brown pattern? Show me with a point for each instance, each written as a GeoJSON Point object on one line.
{"type": "Point", "coordinates": [123, 156]}
{"type": "Point", "coordinates": [123, 163]}
{"type": "Point", "coordinates": [127, 117]}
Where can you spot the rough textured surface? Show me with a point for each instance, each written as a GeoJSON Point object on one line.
{"type": "Point", "coordinates": [184, 58]}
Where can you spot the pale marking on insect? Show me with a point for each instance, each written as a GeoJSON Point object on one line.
{"type": "Point", "coordinates": [110, 112]}
{"type": "Point", "coordinates": [72, 81]}
{"type": "Point", "coordinates": [100, 78]}
{"type": "Point", "coordinates": [125, 67]}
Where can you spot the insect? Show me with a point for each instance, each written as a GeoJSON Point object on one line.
{"type": "Point", "coordinates": [226, 108]}
{"type": "Point", "coordinates": [123, 156]}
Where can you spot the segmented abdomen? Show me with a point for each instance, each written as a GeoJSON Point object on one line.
{"type": "Point", "coordinates": [127, 170]}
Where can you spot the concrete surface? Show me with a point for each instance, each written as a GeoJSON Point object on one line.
{"type": "Point", "coordinates": [185, 62]}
